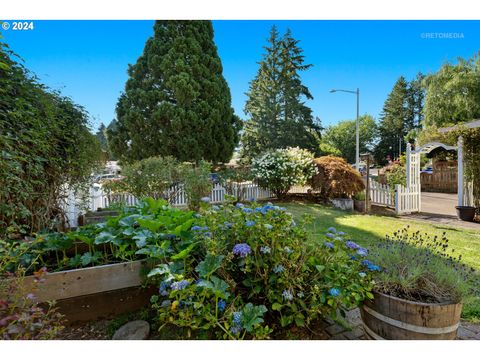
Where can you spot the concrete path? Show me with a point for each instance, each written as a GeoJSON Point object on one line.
{"type": "Point", "coordinates": [439, 209]}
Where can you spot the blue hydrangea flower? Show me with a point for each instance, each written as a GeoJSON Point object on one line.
{"type": "Point", "coordinates": [300, 294]}
{"type": "Point", "coordinates": [216, 207]}
{"type": "Point", "coordinates": [228, 224]}
{"type": "Point", "coordinates": [366, 262]}
{"type": "Point", "coordinates": [340, 233]}
{"type": "Point", "coordinates": [221, 305]}
{"type": "Point", "coordinates": [205, 199]}
{"type": "Point", "coordinates": [278, 269]}
{"type": "Point", "coordinates": [362, 252]}
{"type": "Point", "coordinates": [287, 295]}
{"type": "Point", "coordinates": [352, 257]}
{"type": "Point", "coordinates": [179, 285]}
{"type": "Point", "coordinates": [196, 215]}
{"type": "Point", "coordinates": [199, 228]}
{"type": "Point", "coordinates": [329, 245]}
{"type": "Point", "coordinates": [362, 274]}
{"type": "Point", "coordinates": [242, 250]}
{"type": "Point", "coordinates": [352, 245]}
{"type": "Point", "coordinates": [250, 223]}
{"type": "Point", "coordinates": [239, 205]}
{"type": "Point", "coordinates": [237, 318]}
{"type": "Point", "coordinates": [373, 267]}
{"type": "Point", "coordinates": [268, 226]}
{"type": "Point", "coordinates": [330, 235]}
{"type": "Point", "coordinates": [287, 250]}
{"type": "Point", "coordinates": [247, 210]}
{"type": "Point", "coordinates": [235, 329]}
{"type": "Point", "coordinates": [163, 290]}
{"type": "Point", "coordinates": [166, 303]}
{"type": "Point", "coordinates": [265, 249]}
{"type": "Point", "coordinates": [332, 230]}
{"type": "Point", "coordinates": [334, 292]}
{"type": "Point", "coordinates": [258, 209]}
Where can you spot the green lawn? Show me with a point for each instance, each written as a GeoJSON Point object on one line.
{"type": "Point", "coordinates": [367, 229]}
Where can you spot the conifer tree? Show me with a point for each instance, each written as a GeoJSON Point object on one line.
{"type": "Point", "coordinates": [278, 115]}
{"type": "Point", "coordinates": [176, 100]}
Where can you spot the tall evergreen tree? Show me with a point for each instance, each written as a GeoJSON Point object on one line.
{"type": "Point", "coordinates": [416, 100]}
{"type": "Point", "coordinates": [395, 122]}
{"type": "Point", "coordinates": [176, 100]}
{"type": "Point", "coordinates": [278, 115]}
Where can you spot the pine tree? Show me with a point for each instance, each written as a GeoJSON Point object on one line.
{"type": "Point", "coordinates": [416, 100]}
{"type": "Point", "coordinates": [278, 116]}
{"type": "Point", "coordinates": [395, 122]}
{"type": "Point", "coordinates": [176, 100]}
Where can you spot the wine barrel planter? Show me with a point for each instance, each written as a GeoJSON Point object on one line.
{"type": "Point", "coordinates": [391, 318]}
{"type": "Point", "coordinates": [96, 292]}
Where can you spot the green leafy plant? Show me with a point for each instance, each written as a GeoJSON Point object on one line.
{"type": "Point", "coordinates": [253, 273]}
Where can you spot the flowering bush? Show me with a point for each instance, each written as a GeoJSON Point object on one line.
{"type": "Point", "coordinates": [280, 169]}
{"type": "Point", "coordinates": [252, 272]}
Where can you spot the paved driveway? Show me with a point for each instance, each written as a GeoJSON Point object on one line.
{"type": "Point", "coordinates": [439, 203]}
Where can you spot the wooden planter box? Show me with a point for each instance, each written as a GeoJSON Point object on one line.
{"type": "Point", "coordinates": [96, 292]}
{"type": "Point", "coordinates": [391, 318]}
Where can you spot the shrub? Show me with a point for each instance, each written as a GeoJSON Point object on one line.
{"type": "Point", "coordinates": [395, 174]}
{"type": "Point", "coordinates": [251, 272]}
{"type": "Point", "coordinates": [150, 177]}
{"type": "Point", "coordinates": [45, 145]}
{"type": "Point", "coordinates": [280, 169]}
{"type": "Point", "coordinates": [21, 317]}
{"type": "Point", "coordinates": [419, 267]}
{"type": "Point", "coordinates": [196, 182]}
{"type": "Point", "coordinates": [335, 178]}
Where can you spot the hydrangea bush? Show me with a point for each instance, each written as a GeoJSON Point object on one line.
{"type": "Point", "coordinates": [280, 169]}
{"type": "Point", "coordinates": [252, 272]}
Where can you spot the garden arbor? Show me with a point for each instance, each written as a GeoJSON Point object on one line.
{"type": "Point", "coordinates": [411, 201]}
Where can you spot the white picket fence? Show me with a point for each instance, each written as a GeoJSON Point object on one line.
{"type": "Point", "coordinates": [380, 194]}
{"type": "Point", "coordinates": [177, 196]}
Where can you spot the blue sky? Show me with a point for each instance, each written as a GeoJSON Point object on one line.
{"type": "Point", "coordinates": [88, 60]}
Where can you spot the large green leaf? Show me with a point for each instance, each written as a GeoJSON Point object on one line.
{"type": "Point", "coordinates": [208, 266]}
{"type": "Point", "coordinates": [184, 253]}
{"type": "Point", "coordinates": [104, 237]}
{"type": "Point", "coordinates": [141, 237]}
{"type": "Point", "coordinates": [218, 286]}
{"type": "Point", "coordinates": [252, 315]}
{"type": "Point", "coordinates": [151, 224]}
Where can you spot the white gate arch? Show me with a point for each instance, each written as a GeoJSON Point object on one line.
{"type": "Point", "coordinates": [408, 198]}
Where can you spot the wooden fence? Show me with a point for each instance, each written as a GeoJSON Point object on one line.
{"type": "Point", "coordinates": [440, 180]}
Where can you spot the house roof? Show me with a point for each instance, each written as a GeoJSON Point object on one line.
{"type": "Point", "coordinates": [470, 125]}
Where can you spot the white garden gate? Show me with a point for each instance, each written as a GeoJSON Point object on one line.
{"type": "Point", "coordinates": [408, 198]}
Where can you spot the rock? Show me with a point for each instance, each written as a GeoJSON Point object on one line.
{"type": "Point", "coordinates": [133, 330]}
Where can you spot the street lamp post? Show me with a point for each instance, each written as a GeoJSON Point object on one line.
{"type": "Point", "coordinates": [357, 125]}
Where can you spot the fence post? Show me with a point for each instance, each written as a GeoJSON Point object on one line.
{"type": "Point", "coordinates": [397, 199]}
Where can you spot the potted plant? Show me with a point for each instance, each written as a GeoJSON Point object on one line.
{"type": "Point", "coordinates": [466, 213]}
{"type": "Point", "coordinates": [419, 288]}
{"type": "Point", "coordinates": [359, 201]}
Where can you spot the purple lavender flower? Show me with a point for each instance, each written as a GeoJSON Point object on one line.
{"type": "Point", "coordinates": [334, 292]}
{"type": "Point", "coordinates": [179, 285]}
{"type": "Point", "coordinates": [242, 250]}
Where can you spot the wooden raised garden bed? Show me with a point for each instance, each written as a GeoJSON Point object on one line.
{"type": "Point", "coordinates": [96, 292]}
